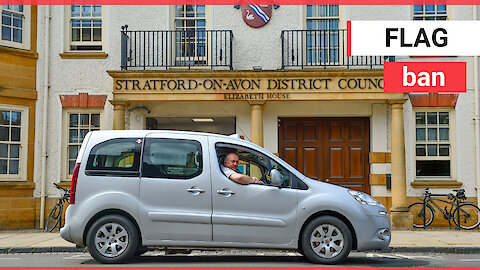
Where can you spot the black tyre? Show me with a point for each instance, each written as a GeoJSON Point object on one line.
{"type": "Point", "coordinates": [416, 210]}
{"type": "Point", "coordinates": [469, 216]}
{"type": "Point", "coordinates": [54, 218]}
{"type": "Point", "coordinates": [112, 239]}
{"type": "Point", "coordinates": [326, 240]}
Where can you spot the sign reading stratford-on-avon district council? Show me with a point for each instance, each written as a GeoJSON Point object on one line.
{"type": "Point", "coordinates": [248, 85]}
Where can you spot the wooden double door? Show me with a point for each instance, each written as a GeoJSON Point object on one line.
{"type": "Point", "coordinates": [333, 150]}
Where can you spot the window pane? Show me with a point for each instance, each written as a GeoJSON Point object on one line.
{"type": "Point", "coordinates": [4, 134]}
{"type": "Point", "coordinates": [72, 151]}
{"type": "Point", "coordinates": [432, 134]}
{"type": "Point", "coordinates": [433, 168]}
{"type": "Point", "coordinates": [97, 34]}
{"type": "Point", "coordinates": [443, 118]}
{"type": "Point", "coordinates": [5, 118]}
{"type": "Point", "coordinates": [86, 34]}
{"type": "Point", "coordinates": [17, 20]}
{"type": "Point", "coordinates": [169, 158]}
{"type": "Point", "coordinates": [179, 11]}
{"type": "Point", "coordinates": [3, 150]}
{"type": "Point", "coordinates": [432, 150]}
{"type": "Point", "coordinates": [73, 136]}
{"type": "Point", "coordinates": [97, 11]}
{"type": "Point", "coordinates": [444, 134]}
{"type": "Point", "coordinates": [16, 118]}
{"type": "Point", "coordinates": [71, 167]}
{"type": "Point", "coordinates": [95, 120]}
{"type": "Point", "coordinates": [417, 9]}
{"type": "Point", "coordinates": [444, 150]}
{"type": "Point", "coordinates": [420, 118]}
{"type": "Point", "coordinates": [432, 118]}
{"type": "Point", "coordinates": [116, 154]}
{"type": "Point", "coordinates": [429, 9]}
{"type": "Point", "coordinates": [3, 166]}
{"type": "Point", "coordinates": [76, 34]}
{"type": "Point", "coordinates": [86, 11]}
{"type": "Point", "coordinates": [6, 18]}
{"type": "Point", "coordinates": [84, 119]}
{"type": "Point", "coordinates": [420, 134]}
{"type": "Point", "coordinates": [75, 11]}
{"type": "Point", "coordinates": [73, 120]}
{"type": "Point", "coordinates": [13, 167]}
{"type": "Point", "coordinates": [310, 11]}
{"type": "Point", "coordinates": [17, 35]}
{"type": "Point", "coordinates": [83, 132]}
{"type": "Point", "coordinates": [14, 151]}
{"type": "Point", "coordinates": [420, 150]}
{"type": "Point", "coordinates": [15, 134]}
{"type": "Point", "coordinates": [201, 11]}
{"type": "Point", "coordinates": [441, 9]}
{"type": "Point", "coordinates": [6, 33]}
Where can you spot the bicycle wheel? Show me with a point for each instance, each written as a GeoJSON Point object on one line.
{"type": "Point", "coordinates": [54, 217]}
{"type": "Point", "coordinates": [469, 216]}
{"type": "Point", "coordinates": [417, 215]}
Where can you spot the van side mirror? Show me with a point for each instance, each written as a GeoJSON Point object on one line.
{"type": "Point", "coordinates": [276, 178]}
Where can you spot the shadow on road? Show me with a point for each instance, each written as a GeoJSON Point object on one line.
{"type": "Point", "coordinates": [355, 259]}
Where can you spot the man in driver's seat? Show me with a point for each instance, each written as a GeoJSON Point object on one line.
{"type": "Point", "coordinates": [230, 169]}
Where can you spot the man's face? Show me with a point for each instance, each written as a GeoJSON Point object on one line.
{"type": "Point", "coordinates": [231, 161]}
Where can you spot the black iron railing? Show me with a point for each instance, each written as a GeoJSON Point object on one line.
{"type": "Point", "coordinates": [322, 48]}
{"type": "Point", "coordinates": [172, 48]}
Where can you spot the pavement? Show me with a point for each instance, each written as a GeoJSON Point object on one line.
{"type": "Point", "coordinates": [438, 241]}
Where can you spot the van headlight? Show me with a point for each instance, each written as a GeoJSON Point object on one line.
{"type": "Point", "coordinates": [363, 198]}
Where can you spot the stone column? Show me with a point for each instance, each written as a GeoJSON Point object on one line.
{"type": "Point", "coordinates": [400, 216]}
{"type": "Point", "coordinates": [257, 122]}
{"type": "Point", "coordinates": [118, 114]}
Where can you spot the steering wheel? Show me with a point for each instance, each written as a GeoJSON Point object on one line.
{"type": "Point", "coordinates": [264, 178]}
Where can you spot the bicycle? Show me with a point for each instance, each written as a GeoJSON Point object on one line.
{"type": "Point", "coordinates": [464, 214]}
{"type": "Point", "coordinates": [55, 217]}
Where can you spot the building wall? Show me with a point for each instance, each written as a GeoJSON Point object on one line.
{"type": "Point", "coordinates": [18, 89]}
{"type": "Point", "coordinates": [251, 47]}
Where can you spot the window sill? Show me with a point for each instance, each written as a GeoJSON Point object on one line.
{"type": "Point", "coordinates": [65, 184]}
{"type": "Point", "coordinates": [436, 184]}
{"type": "Point", "coordinates": [16, 185]}
{"type": "Point", "coordinates": [83, 55]}
{"type": "Point", "coordinates": [19, 52]}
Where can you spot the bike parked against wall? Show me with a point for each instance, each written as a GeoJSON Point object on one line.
{"type": "Point", "coordinates": [464, 214]}
{"type": "Point", "coordinates": [55, 217]}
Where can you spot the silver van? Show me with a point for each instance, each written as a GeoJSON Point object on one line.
{"type": "Point", "coordinates": [137, 189]}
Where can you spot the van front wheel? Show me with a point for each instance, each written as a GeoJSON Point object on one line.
{"type": "Point", "coordinates": [326, 240]}
{"type": "Point", "coordinates": [112, 239]}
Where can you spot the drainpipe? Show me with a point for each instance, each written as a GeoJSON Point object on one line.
{"type": "Point", "coordinates": [476, 117]}
{"type": "Point", "coordinates": [45, 115]}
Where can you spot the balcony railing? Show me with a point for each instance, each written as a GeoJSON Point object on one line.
{"type": "Point", "coordinates": [172, 48]}
{"type": "Point", "coordinates": [322, 48]}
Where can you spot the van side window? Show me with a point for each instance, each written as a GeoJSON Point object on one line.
{"type": "Point", "coordinates": [172, 158]}
{"type": "Point", "coordinates": [114, 156]}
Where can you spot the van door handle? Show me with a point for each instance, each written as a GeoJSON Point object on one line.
{"type": "Point", "coordinates": [226, 192]}
{"type": "Point", "coordinates": [195, 190]}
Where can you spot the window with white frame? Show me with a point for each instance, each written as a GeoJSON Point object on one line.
{"type": "Point", "coordinates": [322, 35]}
{"type": "Point", "coordinates": [12, 142]}
{"type": "Point", "coordinates": [79, 124]}
{"type": "Point", "coordinates": [85, 27]}
{"type": "Point", "coordinates": [433, 146]}
{"type": "Point", "coordinates": [190, 34]}
{"type": "Point", "coordinates": [15, 26]}
{"type": "Point", "coordinates": [429, 12]}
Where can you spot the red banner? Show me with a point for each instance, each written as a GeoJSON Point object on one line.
{"type": "Point", "coordinates": [426, 77]}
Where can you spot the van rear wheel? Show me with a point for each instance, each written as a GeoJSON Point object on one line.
{"type": "Point", "coordinates": [326, 240]}
{"type": "Point", "coordinates": [112, 239]}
